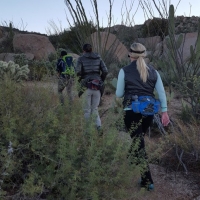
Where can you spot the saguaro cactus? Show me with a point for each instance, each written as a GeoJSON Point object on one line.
{"type": "Point", "coordinates": [171, 24]}
{"type": "Point", "coordinates": [175, 41]}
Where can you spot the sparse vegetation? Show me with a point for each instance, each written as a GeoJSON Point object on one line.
{"type": "Point", "coordinates": [45, 150]}
{"type": "Point", "coordinates": [47, 153]}
{"type": "Point", "coordinates": [156, 27]}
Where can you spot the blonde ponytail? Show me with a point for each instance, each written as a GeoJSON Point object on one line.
{"type": "Point", "coordinates": [142, 69]}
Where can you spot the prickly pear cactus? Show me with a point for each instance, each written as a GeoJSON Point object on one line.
{"type": "Point", "coordinates": [13, 71]}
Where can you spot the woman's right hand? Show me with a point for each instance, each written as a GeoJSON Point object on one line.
{"type": "Point", "coordinates": [165, 118]}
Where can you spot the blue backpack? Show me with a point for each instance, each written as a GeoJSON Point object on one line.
{"type": "Point", "coordinates": [146, 105]}
{"type": "Point", "coordinates": [68, 59]}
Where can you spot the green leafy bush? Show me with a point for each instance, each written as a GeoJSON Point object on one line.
{"type": "Point", "coordinates": [52, 155]}
{"type": "Point", "coordinates": [156, 27]}
{"type": "Point", "coordinates": [38, 68]}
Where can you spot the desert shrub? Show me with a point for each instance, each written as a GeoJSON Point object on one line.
{"type": "Point", "coordinates": [156, 27]}
{"type": "Point", "coordinates": [185, 139]}
{"type": "Point", "coordinates": [115, 67]}
{"type": "Point", "coordinates": [185, 113]}
{"type": "Point", "coordinates": [127, 35]}
{"type": "Point", "coordinates": [7, 43]}
{"type": "Point", "coordinates": [70, 38]}
{"type": "Point", "coordinates": [111, 79]}
{"type": "Point", "coordinates": [52, 57]}
{"type": "Point", "coordinates": [178, 149]}
{"type": "Point", "coordinates": [38, 68]}
{"type": "Point", "coordinates": [190, 90]}
{"type": "Point", "coordinates": [47, 153]}
{"type": "Point", "coordinates": [20, 59]}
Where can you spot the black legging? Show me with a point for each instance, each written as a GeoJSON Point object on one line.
{"type": "Point", "coordinates": [137, 125]}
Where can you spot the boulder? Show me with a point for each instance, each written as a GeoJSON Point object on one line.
{"type": "Point", "coordinates": [109, 42]}
{"type": "Point", "coordinates": [150, 43]}
{"type": "Point", "coordinates": [190, 39]}
{"type": "Point", "coordinates": [75, 56]}
{"type": "Point", "coordinates": [10, 56]}
{"type": "Point", "coordinates": [38, 45]}
{"type": "Point", "coordinates": [158, 49]}
{"type": "Point", "coordinates": [184, 50]}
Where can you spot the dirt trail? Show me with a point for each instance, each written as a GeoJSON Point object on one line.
{"type": "Point", "coordinates": [168, 185]}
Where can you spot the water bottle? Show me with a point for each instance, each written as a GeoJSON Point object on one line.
{"type": "Point", "coordinates": [135, 104]}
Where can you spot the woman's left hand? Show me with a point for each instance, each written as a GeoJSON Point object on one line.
{"type": "Point", "coordinates": [165, 118]}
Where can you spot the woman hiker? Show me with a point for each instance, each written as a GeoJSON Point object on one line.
{"type": "Point", "coordinates": [135, 81]}
{"type": "Point", "coordinates": [92, 72]}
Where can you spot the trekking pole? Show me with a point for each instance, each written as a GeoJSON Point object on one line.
{"type": "Point", "coordinates": [157, 120]}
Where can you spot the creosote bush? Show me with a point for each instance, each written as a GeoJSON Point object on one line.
{"type": "Point", "coordinates": [186, 138]}
{"type": "Point", "coordinates": [156, 27]}
{"type": "Point", "coordinates": [47, 152]}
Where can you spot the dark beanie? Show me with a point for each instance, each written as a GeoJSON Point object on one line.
{"type": "Point", "coordinates": [63, 53]}
{"type": "Point", "coordinates": [87, 47]}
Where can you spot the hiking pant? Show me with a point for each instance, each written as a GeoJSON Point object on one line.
{"type": "Point", "coordinates": [62, 84]}
{"type": "Point", "coordinates": [91, 103]}
{"type": "Point", "coordinates": [137, 125]}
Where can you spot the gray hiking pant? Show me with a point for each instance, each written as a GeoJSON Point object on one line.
{"type": "Point", "coordinates": [91, 103]}
{"type": "Point", "coordinates": [62, 84]}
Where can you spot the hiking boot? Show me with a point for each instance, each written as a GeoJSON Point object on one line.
{"type": "Point", "coordinates": [150, 187]}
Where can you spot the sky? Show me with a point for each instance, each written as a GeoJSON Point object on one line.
{"type": "Point", "coordinates": [38, 15]}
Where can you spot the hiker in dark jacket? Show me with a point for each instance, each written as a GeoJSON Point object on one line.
{"type": "Point", "coordinates": [65, 69]}
{"type": "Point", "coordinates": [92, 72]}
{"type": "Point", "coordinates": [138, 80]}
